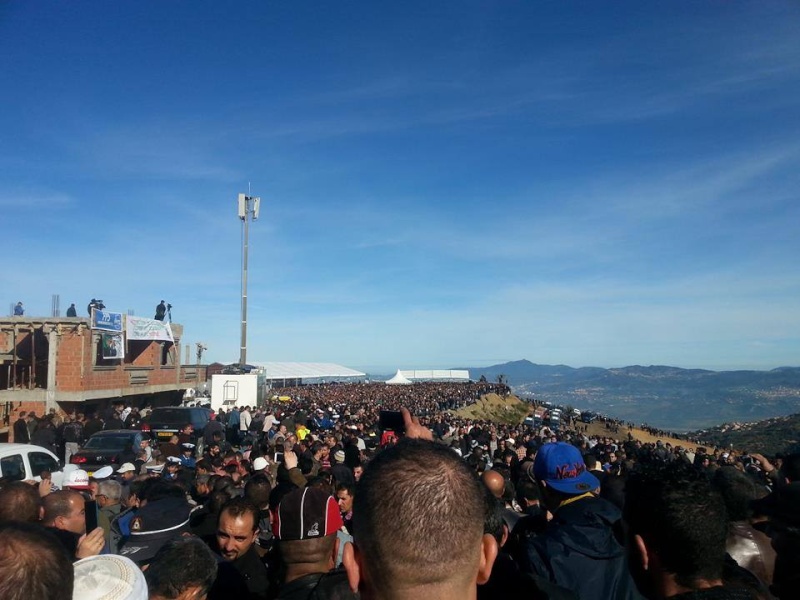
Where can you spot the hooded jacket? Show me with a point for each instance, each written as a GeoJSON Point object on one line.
{"type": "Point", "coordinates": [579, 551]}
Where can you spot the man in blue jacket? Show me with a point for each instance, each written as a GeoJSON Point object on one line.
{"type": "Point", "coordinates": [578, 549]}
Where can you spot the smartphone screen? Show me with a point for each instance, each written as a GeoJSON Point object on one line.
{"type": "Point", "coordinates": [392, 420]}
{"type": "Point", "coordinates": [91, 515]}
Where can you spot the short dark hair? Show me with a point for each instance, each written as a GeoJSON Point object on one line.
{"type": "Point", "coordinates": [257, 491]}
{"type": "Point", "coordinates": [346, 487]}
{"type": "Point", "coordinates": [527, 490]}
{"type": "Point", "coordinates": [58, 504]}
{"type": "Point", "coordinates": [737, 490]}
{"type": "Point", "coordinates": [20, 502]}
{"type": "Point", "coordinates": [790, 469]}
{"type": "Point", "coordinates": [418, 515]}
{"type": "Point", "coordinates": [155, 489]}
{"type": "Point", "coordinates": [34, 564]}
{"type": "Point", "coordinates": [180, 564]}
{"type": "Point", "coordinates": [494, 522]}
{"type": "Point", "coordinates": [217, 500]}
{"type": "Point", "coordinates": [675, 510]}
{"type": "Point", "coordinates": [238, 507]}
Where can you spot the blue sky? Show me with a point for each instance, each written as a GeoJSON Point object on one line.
{"type": "Point", "coordinates": [443, 184]}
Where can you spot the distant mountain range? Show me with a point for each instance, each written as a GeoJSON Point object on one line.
{"type": "Point", "coordinates": [665, 397]}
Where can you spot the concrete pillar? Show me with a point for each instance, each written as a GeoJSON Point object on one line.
{"type": "Point", "coordinates": [52, 358]}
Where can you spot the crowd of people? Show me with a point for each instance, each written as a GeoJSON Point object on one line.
{"type": "Point", "coordinates": [309, 496]}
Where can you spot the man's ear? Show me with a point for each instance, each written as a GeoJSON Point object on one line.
{"type": "Point", "coordinates": [489, 551]}
{"type": "Point", "coordinates": [506, 533]}
{"type": "Point", "coordinates": [640, 552]}
{"type": "Point", "coordinates": [351, 561]}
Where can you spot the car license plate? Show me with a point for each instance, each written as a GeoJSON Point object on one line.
{"type": "Point", "coordinates": [164, 434]}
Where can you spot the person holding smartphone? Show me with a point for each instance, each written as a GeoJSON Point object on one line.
{"type": "Point", "coordinates": [65, 515]}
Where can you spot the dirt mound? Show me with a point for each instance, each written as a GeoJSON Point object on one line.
{"type": "Point", "coordinates": [508, 410]}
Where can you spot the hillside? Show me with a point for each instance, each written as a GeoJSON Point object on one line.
{"type": "Point", "coordinates": [767, 437]}
{"type": "Point", "coordinates": [661, 396]}
{"type": "Point", "coordinates": [512, 411]}
{"type": "Point", "coordinates": [491, 407]}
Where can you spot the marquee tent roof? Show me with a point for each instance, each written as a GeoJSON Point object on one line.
{"type": "Point", "coordinates": [398, 379]}
{"type": "Point", "coordinates": [436, 375]}
{"type": "Point", "coordinates": [296, 370]}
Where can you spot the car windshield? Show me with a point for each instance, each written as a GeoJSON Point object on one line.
{"type": "Point", "coordinates": [171, 415]}
{"type": "Point", "coordinates": [109, 442]}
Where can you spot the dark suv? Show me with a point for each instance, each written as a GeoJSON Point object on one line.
{"type": "Point", "coordinates": [166, 421]}
{"type": "Point", "coordinates": [105, 447]}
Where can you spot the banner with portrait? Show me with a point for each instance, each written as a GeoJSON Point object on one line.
{"type": "Point", "coordinates": [113, 346]}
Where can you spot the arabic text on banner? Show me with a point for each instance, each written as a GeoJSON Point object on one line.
{"type": "Point", "coordinates": [140, 328]}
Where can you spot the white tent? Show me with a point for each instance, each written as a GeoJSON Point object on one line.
{"type": "Point", "coordinates": [398, 379]}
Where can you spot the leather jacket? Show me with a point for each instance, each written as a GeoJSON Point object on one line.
{"type": "Point", "coordinates": [752, 550]}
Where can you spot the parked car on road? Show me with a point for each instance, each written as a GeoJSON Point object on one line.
{"type": "Point", "coordinates": [104, 449]}
{"type": "Point", "coordinates": [19, 462]}
{"type": "Point", "coordinates": [164, 422]}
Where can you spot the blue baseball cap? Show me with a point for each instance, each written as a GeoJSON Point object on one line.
{"type": "Point", "coordinates": [560, 465]}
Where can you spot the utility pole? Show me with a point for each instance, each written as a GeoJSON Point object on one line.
{"type": "Point", "coordinates": [248, 208]}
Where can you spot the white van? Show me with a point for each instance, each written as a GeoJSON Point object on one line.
{"type": "Point", "coordinates": [19, 462]}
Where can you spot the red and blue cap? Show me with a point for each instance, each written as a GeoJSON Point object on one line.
{"type": "Point", "coordinates": [560, 466]}
{"type": "Point", "coordinates": [306, 513]}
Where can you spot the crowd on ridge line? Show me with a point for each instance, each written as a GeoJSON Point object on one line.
{"type": "Point", "coordinates": [340, 404]}
{"type": "Point", "coordinates": [315, 501]}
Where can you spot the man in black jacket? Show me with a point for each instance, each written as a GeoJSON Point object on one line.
{"type": "Point", "coordinates": [73, 437]}
{"type": "Point", "coordinates": [21, 434]}
{"type": "Point", "coordinates": [45, 436]}
{"type": "Point", "coordinates": [242, 572]}
{"type": "Point", "coordinates": [578, 549]}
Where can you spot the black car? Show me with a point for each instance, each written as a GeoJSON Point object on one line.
{"type": "Point", "coordinates": [105, 447]}
{"type": "Point", "coordinates": [164, 422]}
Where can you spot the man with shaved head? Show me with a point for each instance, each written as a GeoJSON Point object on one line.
{"type": "Point", "coordinates": [497, 485]}
{"type": "Point", "coordinates": [418, 524]}
{"type": "Point", "coordinates": [495, 482]}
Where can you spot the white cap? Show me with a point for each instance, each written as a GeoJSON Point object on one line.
{"type": "Point", "coordinates": [126, 468]}
{"type": "Point", "coordinates": [174, 460]}
{"type": "Point", "coordinates": [260, 463]}
{"type": "Point", "coordinates": [108, 577]}
{"type": "Point", "coordinates": [103, 473]}
{"type": "Point", "coordinates": [77, 479]}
